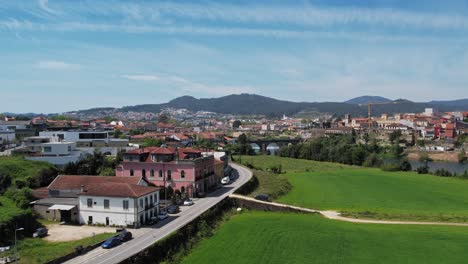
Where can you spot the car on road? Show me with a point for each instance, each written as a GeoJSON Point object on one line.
{"type": "Point", "coordinates": [153, 220]}
{"type": "Point", "coordinates": [225, 180]}
{"type": "Point", "coordinates": [40, 232]}
{"type": "Point", "coordinates": [263, 197]}
{"type": "Point", "coordinates": [173, 209]}
{"type": "Point", "coordinates": [111, 242]}
{"type": "Point", "coordinates": [188, 202]}
{"type": "Point", "coordinates": [124, 236]}
{"type": "Point", "coordinates": [163, 216]}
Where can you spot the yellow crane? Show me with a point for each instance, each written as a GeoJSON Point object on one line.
{"type": "Point", "coordinates": [369, 111]}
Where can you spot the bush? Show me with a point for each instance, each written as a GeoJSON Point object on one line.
{"type": "Point", "coordinates": [423, 170]}
{"type": "Point", "coordinates": [443, 173]}
{"type": "Point", "coordinates": [390, 167]}
{"type": "Point", "coordinates": [405, 166]}
{"type": "Point", "coordinates": [372, 161]}
{"type": "Point", "coordinates": [22, 197]}
{"type": "Point", "coordinates": [277, 169]}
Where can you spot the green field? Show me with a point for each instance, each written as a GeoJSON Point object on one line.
{"type": "Point", "coordinates": [371, 193]}
{"type": "Point", "coordinates": [263, 237]}
{"type": "Point", "coordinates": [36, 250]}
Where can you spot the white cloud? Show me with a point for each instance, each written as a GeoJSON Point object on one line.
{"type": "Point", "coordinates": [43, 4]}
{"type": "Point", "coordinates": [141, 77]}
{"type": "Point", "coordinates": [56, 65]}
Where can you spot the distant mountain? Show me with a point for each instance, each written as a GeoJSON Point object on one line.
{"type": "Point", "coordinates": [368, 99]}
{"type": "Point", "coordinates": [253, 104]}
{"type": "Point", "coordinates": [462, 103]}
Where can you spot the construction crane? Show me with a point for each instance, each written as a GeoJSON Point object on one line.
{"type": "Point", "coordinates": [369, 111]}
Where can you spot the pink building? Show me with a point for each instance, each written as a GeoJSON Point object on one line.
{"type": "Point", "coordinates": [184, 169]}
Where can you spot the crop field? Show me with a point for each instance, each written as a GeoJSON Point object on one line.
{"type": "Point", "coordinates": [265, 237]}
{"type": "Point", "coordinates": [371, 193]}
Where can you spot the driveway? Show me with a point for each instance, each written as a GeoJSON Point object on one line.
{"type": "Point", "coordinates": [60, 233]}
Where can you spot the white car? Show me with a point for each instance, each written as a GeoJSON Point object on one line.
{"type": "Point", "coordinates": [188, 202]}
{"type": "Point", "coordinates": [163, 216]}
{"type": "Point", "coordinates": [225, 180]}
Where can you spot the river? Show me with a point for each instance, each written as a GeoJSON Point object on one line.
{"type": "Point", "coordinates": [453, 167]}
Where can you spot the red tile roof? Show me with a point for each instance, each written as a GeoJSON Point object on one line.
{"type": "Point", "coordinates": [118, 189]}
{"type": "Point", "coordinates": [69, 182]}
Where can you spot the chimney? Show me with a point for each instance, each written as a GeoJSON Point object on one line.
{"type": "Point", "coordinates": [82, 188]}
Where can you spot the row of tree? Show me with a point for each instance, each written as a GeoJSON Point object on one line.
{"type": "Point", "coordinates": [346, 149]}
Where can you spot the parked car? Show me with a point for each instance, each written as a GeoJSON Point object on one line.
{"type": "Point", "coordinates": [153, 220]}
{"type": "Point", "coordinates": [201, 194]}
{"type": "Point", "coordinates": [111, 242]}
{"type": "Point", "coordinates": [40, 232]}
{"type": "Point", "coordinates": [225, 180]}
{"type": "Point", "coordinates": [173, 209]}
{"type": "Point", "coordinates": [124, 236]}
{"type": "Point", "coordinates": [262, 197]}
{"type": "Point", "coordinates": [188, 202]}
{"type": "Point", "coordinates": [163, 216]}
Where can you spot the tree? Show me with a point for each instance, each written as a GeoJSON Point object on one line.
{"type": "Point", "coordinates": [118, 134]}
{"type": "Point", "coordinates": [424, 158]}
{"type": "Point", "coordinates": [462, 157]}
{"type": "Point", "coordinates": [152, 142]}
{"type": "Point", "coordinates": [163, 118]}
{"type": "Point", "coordinates": [394, 136]}
{"type": "Point", "coordinates": [5, 182]}
{"type": "Point", "coordinates": [236, 124]}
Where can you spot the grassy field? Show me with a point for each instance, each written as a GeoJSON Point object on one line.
{"type": "Point", "coordinates": [36, 250]}
{"type": "Point", "coordinates": [291, 165]}
{"type": "Point", "coordinates": [371, 193]}
{"type": "Point", "coordinates": [262, 237]}
{"type": "Point", "coordinates": [272, 184]}
{"type": "Point", "coordinates": [19, 168]}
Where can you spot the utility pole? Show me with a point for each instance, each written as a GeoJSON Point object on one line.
{"type": "Point", "coordinates": [16, 246]}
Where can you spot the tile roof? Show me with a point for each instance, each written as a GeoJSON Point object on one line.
{"type": "Point", "coordinates": [69, 182]}
{"type": "Point", "coordinates": [118, 189]}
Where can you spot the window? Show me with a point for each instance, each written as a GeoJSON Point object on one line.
{"type": "Point", "coordinates": [69, 148]}
{"type": "Point", "coordinates": [169, 175]}
{"type": "Point", "coordinates": [131, 172]}
{"type": "Point", "coordinates": [47, 149]}
{"type": "Point", "coordinates": [160, 174]}
{"type": "Point", "coordinates": [143, 173]}
{"type": "Point", "coordinates": [155, 198]}
{"type": "Point", "coordinates": [125, 204]}
{"type": "Point", "coordinates": [182, 189]}
{"type": "Point", "coordinates": [152, 173]}
{"type": "Point", "coordinates": [106, 204]}
{"type": "Point", "coordinates": [151, 200]}
{"type": "Point", "coordinates": [90, 220]}
{"type": "Point", "coordinates": [146, 201]}
{"type": "Point", "coordinates": [90, 203]}
{"type": "Point", "coordinates": [141, 203]}
{"type": "Point", "coordinates": [182, 174]}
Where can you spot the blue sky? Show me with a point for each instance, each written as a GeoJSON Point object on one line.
{"type": "Point", "coordinates": [60, 56]}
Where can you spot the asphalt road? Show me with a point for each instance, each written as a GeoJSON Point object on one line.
{"type": "Point", "coordinates": [145, 237]}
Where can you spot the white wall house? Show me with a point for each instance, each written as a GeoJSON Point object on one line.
{"type": "Point", "coordinates": [133, 205]}
{"type": "Point", "coordinates": [58, 153]}
{"type": "Point", "coordinates": [7, 136]}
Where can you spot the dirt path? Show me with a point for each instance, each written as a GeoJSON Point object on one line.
{"type": "Point", "coordinates": [336, 215]}
{"type": "Point", "coordinates": [59, 233]}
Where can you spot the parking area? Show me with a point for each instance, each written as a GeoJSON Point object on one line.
{"type": "Point", "coordinates": [58, 233]}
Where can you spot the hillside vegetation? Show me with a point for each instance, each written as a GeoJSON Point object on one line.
{"type": "Point", "coordinates": [265, 237]}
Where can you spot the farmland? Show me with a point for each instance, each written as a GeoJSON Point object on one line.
{"type": "Point", "coordinates": [370, 193]}
{"type": "Point", "coordinates": [265, 237]}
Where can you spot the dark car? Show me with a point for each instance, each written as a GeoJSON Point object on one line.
{"type": "Point", "coordinates": [124, 236]}
{"type": "Point", "coordinates": [173, 209]}
{"type": "Point", "coordinates": [40, 232]}
{"type": "Point", "coordinates": [262, 197]}
{"type": "Point", "coordinates": [201, 194]}
{"type": "Point", "coordinates": [153, 220]}
{"type": "Point", "coordinates": [111, 242]}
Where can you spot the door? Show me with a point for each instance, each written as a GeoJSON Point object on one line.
{"type": "Point", "coordinates": [107, 221]}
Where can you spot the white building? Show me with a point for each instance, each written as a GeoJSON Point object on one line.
{"type": "Point", "coordinates": [118, 204]}
{"type": "Point", "coordinates": [88, 141]}
{"type": "Point", "coordinates": [7, 136]}
{"type": "Point", "coordinates": [106, 200]}
{"type": "Point", "coordinates": [57, 153]}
